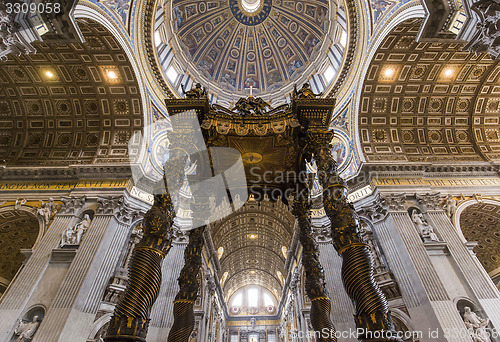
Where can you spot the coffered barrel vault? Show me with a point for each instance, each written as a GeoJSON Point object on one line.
{"type": "Point", "coordinates": [69, 103]}
{"type": "Point", "coordinates": [429, 102]}
{"type": "Point", "coordinates": [252, 240]}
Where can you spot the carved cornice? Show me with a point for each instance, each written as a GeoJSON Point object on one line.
{"type": "Point", "coordinates": [72, 172]}
{"type": "Point", "coordinates": [372, 170]}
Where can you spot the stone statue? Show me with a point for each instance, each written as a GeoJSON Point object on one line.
{"type": "Point", "coordinates": [20, 202]}
{"type": "Point", "coordinates": [73, 235]}
{"type": "Point", "coordinates": [251, 106]}
{"type": "Point", "coordinates": [305, 92]}
{"type": "Point", "coordinates": [46, 210]}
{"type": "Point", "coordinates": [197, 92]}
{"type": "Point", "coordinates": [426, 231]}
{"type": "Point", "coordinates": [476, 326]}
{"type": "Point", "coordinates": [450, 206]}
{"type": "Point", "coordinates": [488, 37]}
{"type": "Point", "coordinates": [26, 331]}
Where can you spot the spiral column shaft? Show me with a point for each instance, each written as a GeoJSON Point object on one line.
{"type": "Point", "coordinates": [188, 289]}
{"type": "Point", "coordinates": [372, 310]}
{"type": "Point", "coordinates": [315, 277]}
{"type": "Point", "coordinates": [130, 319]}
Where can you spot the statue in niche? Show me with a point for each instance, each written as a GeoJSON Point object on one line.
{"type": "Point", "coordinates": [197, 92]}
{"type": "Point", "coordinates": [450, 206]}
{"type": "Point", "coordinates": [426, 231]}
{"type": "Point", "coordinates": [476, 326]}
{"type": "Point", "coordinates": [73, 235]}
{"type": "Point", "coordinates": [251, 106]}
{"type": "Point", "coordinates": [305, 92]}
{"type": "Point", "coordinates": [26, 330]}
{"type": "Point", "coordinates": [46, 210]}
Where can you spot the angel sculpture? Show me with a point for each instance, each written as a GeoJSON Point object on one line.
{"type": "Point", "coordinates": [305, 92]}
{"type": "Point", "coordinates": [26, 331]}
{"type": "Point", "coordinates": [251, 106]}
{"type": "Point", "coordinates": [197, 92]}
{"type": "Point", "coordinates": [46, 210]}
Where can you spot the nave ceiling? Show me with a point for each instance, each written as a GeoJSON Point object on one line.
{"type": "Point", "coordinates": [252, 239]}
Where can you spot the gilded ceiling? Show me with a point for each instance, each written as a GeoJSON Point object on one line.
{"type": "Point", "coordinates": [240, 44]}
{"type": "Point", "coordinates": [481, 222]}
{"type": "Point", "coordinates": [429, 102]}
{"type": "Point", "coordinates": [252, 240]}
{"type": "Point", "coordinates": [69, 103]}
{"type": "Point", "coordinates": [18, 230]}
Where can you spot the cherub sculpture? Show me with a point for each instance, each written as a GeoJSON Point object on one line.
{"type": "Point", "coordinates": [251, 106]}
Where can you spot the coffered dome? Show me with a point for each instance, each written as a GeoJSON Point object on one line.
{"type": "Point", "coordinates": [235, 47]}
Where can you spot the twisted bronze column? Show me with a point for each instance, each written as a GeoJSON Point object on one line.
{"type": "Point", "coordinates": [372, 311]}
{"type": "Point", "coordinates": [188, 283]}
{"type": "Point", "coordinates": [315, 277]}
{"type": "Point", "coordinates": [131, 317]}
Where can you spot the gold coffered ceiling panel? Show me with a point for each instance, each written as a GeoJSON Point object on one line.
{"type": "Point", "coordinates": [252, 239]}
{"type": "Point", "coordinates": [429, 102]}
{"type": "Point", "coordinates": [69, 103]}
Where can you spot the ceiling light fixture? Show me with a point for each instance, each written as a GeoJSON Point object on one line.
{"type": "Point", "coordinates": [112, 74]}
{"type": "Point", "coordinates": [389, 72]}
{"type": "Point", "coordinates": [49, 74]}
{"type": "Point", "coordinates": [252, 236]}
{"type": "Point", "coordinates": [448, 72]}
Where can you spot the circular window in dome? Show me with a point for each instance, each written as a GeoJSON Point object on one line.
{"type": "Point", "coordinates": [263, 48]}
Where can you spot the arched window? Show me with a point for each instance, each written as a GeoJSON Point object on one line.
{"type": "Point", "coordinates": [254, 300]}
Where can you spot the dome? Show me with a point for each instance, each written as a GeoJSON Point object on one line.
{"type": "Point", "coordinates": [262, 47]}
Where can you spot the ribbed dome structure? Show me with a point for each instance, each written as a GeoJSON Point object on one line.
{"type": "Point", "coordinates": [236, 47]}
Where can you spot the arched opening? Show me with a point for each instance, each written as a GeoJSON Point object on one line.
{"type": "Point", "coordinates": [481, 222]}
{"type": "Point", "coordinates": [18, 230]}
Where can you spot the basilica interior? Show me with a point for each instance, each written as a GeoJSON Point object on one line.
{"type": "Point", "coordinates": [249, 170]}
